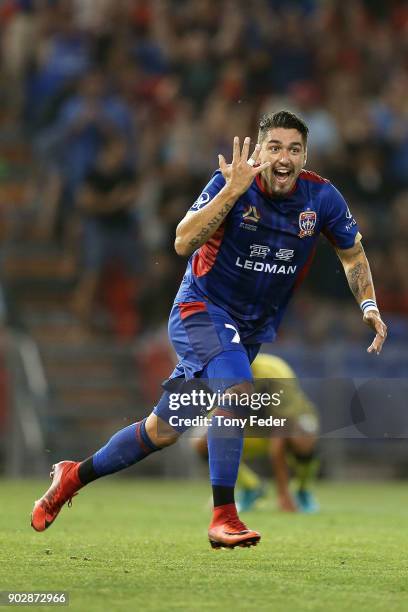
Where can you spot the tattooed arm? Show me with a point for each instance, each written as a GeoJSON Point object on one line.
{"type": "Point", "coordinates": [198, 227]}
{"type": "Point", "coordinates": [358, 273]}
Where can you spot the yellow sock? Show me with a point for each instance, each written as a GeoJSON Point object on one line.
{"type": "Point", "coordinates": [247, 479]}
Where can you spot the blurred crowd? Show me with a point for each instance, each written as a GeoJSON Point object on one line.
{"type": "Point", "coordinates": [128, 102]}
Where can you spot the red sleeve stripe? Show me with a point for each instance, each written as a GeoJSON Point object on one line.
{"type": "Point", "coordinates": [205, 257]}
{"type": "Point", "coordinates": [189, 308]}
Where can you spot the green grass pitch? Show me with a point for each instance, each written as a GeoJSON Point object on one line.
{"type": "Point", "coordinates": [129, 544]}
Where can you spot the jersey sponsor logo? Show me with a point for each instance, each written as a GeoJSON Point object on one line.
{"type": "Point", "coordinates": [201, 201]}
{"type": "Point", "coordinates": [259, 250]}
{"type": "Point", "coordinates": [307, 223]}
{"type": "Point", "coordinates": [284, 254]}
{"type": "Point", "coordinates": [261, 266]}
{"type": "Point", "coordinates": [250, 216]}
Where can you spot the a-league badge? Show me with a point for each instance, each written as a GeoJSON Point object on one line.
{"type": "Point", "coordinates": [307, 223]}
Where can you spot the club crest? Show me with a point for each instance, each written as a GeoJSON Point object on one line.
{"type": "Point", "coordinates": [307, 223]}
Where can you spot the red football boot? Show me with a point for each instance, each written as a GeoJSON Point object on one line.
{"type": "Point", "coordinates": [65, 484]}
{"type": "Point", "coordinates": [227, 531]}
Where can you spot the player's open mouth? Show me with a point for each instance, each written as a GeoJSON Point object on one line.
{"type": "Point", "coordinates": [282, 175]}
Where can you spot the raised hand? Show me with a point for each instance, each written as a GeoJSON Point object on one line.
{"type": "Point", "coordinates": [373, 319]}
{"type": "Point", "coordinates": [242, 171]}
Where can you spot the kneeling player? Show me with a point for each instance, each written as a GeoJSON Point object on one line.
{"type": "Point", "coordinates": [292, 449]}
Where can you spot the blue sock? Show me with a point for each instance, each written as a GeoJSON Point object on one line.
{"type": "Point", "coordinates": [126, 447]}
{"type": "Point", "coordinates": [224, 450]}
{"type": "Point", "coordinates": [225, 442]}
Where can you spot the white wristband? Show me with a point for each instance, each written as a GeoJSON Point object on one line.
{"type": "Point", "coordinates": [368, 305]}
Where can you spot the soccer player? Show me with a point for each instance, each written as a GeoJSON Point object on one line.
{"type": "Point", "coordinates": [292, 446]}
{"type": "Point", "coordinates": [250, 236]}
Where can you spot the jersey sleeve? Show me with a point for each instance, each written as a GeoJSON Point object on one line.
{"type": "Point", "coordinates": [214, 186]}
{"type": "Point", "coordinates": [340, 227]}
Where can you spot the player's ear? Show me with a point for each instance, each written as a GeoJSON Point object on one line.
{"type": "Point", "coordinates": [305, 159]}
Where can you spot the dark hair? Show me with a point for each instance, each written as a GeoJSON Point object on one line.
{"type": "Point", "coordinates": [282, 119]}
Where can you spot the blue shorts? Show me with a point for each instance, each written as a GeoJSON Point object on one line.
{"type": "Point", "coordinates": [201, 331]}
{"type": "Point", "coordinates": [211, 358]}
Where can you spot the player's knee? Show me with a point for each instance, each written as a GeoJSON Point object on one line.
{"type": "Point", "coordinates": [245, 388]}
{"type": "Point", "coordinates": [234, 396]}
{"type": "Point", "coordinates": [160, 432]}
{"type": "Point", "coordinates": [303, 445]}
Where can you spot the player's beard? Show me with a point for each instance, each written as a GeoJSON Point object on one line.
{"type": "Point", "coordinates": [277, 186]}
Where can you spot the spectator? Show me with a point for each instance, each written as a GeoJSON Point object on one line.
{"type": "Point", "coordinates": [110, 228]}
{"type": "Point", "coordinates": [63, 54]}
{"type": "Point", "coordinates": [71, 144]}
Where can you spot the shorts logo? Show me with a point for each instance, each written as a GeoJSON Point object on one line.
{"type": "Point", "coordinates": [259, 250]}
{"type": "Point", "coordinates": [307, 223]}
{"type": "Point", "coordinates": [236, 339]}
{"type": "Point", "coordinates": [201, 201]}
{"type": "Point", "coordinates": [284, 254]}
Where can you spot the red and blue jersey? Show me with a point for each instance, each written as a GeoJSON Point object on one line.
{"type": "Point", "coordinates": [253, 262]}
